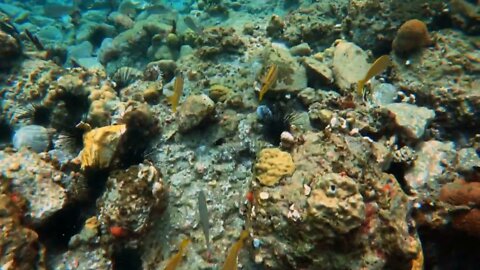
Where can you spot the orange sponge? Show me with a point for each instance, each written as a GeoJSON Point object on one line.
{"type": "Point", "coordinates": [468, 222]}
{"type": "Point", "coordinates": [411, 36]}
{"type": "Point", "coordinates": [461, 193]}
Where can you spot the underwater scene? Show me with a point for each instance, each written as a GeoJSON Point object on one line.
{"type": "Point", "coordinates": [239, 135]}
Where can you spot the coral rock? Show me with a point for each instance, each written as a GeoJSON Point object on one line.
{"type": "Point", "coordinates": [411, 36]}
{"type": "Point", "coordinates": [349, 65]}
{"type": "Point", "coordinates": [272, 165]}
{"type": "Point", "coordinates": [100, 145]}
{"type": "Point", "coordinates": [292, 77]}
{"type": "Point", "coordinates": [429, 166]}
{"type": "Point", "coordinates": [33, 179]}
{"type": "Point", "coordinates": [336, 203]}
{"type": "Point", "coordinates": [131, 197]}
{"type": "Point", "coordinates": [193, 111]}
{"type": "Point", "coordinates": [19, 245]}
{"type": "Point", "coordinates": [9, 48]}
{"type": "Point", "coordinates": [412, 119]}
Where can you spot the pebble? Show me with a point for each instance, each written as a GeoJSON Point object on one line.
{"type": "Point", "coordinates": [32, 136]}
{"type": "Point", "coordinates": [15, 166]}
{"type": "Point", "coordinates": [264, 195]}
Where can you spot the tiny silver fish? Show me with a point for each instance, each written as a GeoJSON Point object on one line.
{"type": "Point", "coordinates": [204, 218]}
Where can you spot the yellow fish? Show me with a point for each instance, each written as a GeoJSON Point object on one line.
{"type": "Point", "coordinates": [269, 80]}
{"type": "Point", "coordinates": [376, 68]}
{"type": "Point", "coordinates": [231, 261]}
{"type": "Point", "coordinates": [175, 260]}
{"type": "Point", "coordinates": [177, 92]}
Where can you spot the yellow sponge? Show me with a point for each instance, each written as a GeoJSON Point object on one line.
{"type": "Point", "coordinates": [273, 164]}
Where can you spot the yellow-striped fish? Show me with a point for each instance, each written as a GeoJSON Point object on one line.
{"type": "Point", "coordinates": [268, 81]}
{"type": "Point", "coordinates": [177, 92]}
{"type": "Point", "coordinates": [175, 260]}
{"type": "Point", "coordinates": [376, 68]}
{"type": "Point", "coordinates": [231, 260]}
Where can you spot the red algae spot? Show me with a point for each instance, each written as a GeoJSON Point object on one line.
{"type": "Point", "coordinates": [249, 196]}
{"type": "Point", "coordinates": [118, 231]}
{"type": "Point", "coordinates": [411, 36]}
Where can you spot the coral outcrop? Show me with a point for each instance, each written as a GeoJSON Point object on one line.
{"type": "Point", "coordinates": [132, 198]}
{"type": "Point", "coordinates": [331, 199]}
{"type": "Point", "coordinates": [335, 203]}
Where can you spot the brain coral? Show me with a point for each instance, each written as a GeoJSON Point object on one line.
{"type": "Point", "coordinates": [411, 36]}
{"type": "Point", "coordinates": [272, 165]}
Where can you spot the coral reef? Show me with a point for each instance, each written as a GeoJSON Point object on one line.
{"type": "Point", "coordinates": [123, 122]}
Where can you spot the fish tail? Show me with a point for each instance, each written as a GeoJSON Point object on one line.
{"type": "Point", "coordinates": [360, 86]}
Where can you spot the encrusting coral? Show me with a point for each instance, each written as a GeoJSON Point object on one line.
{"type": "Point", "coordinates": [273, 164]}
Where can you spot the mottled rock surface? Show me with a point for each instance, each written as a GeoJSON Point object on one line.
{"type": "Point", "coordinates": [349, 65]}
{"type": "Point", "coordinates": [411, 119]}
{"type": "Point", "coordinates": [433, 157]}
{"type": "Point", "coordinates": [19, 245]}
{"type": "Point", "coordinates": [193, 111]}
{"type": "Point", "coordinates": [37, 181]}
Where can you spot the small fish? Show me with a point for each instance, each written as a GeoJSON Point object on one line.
{"type": "Point", "coordinates": [269, 80]}
{"type": "Point", "coordinates": [34, 39]}
{"type": "Point", "coordinates": [177, 92]}
{"type": "Point", "coordinates": [231, 260]}
{"type": "Point", "coordinates": [376, 68]}
{"type": "Point", "coordinates": [175, 260]}
{"type": "Point", "coordinates": [204, 217]}
{"type": "Point", "coordinates": [190, 22]}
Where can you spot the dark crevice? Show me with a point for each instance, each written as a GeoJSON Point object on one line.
{"type": "Point", "coordinates": [449, 249]}
{"type": "Point", "coordinates": [127, 259]}
{"type": "Point", "coordinates": [56, 232]}
{"type": "Point", "coordinates": [398, 170]}
{"type": "Point", "coordinates": [6, 132]}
